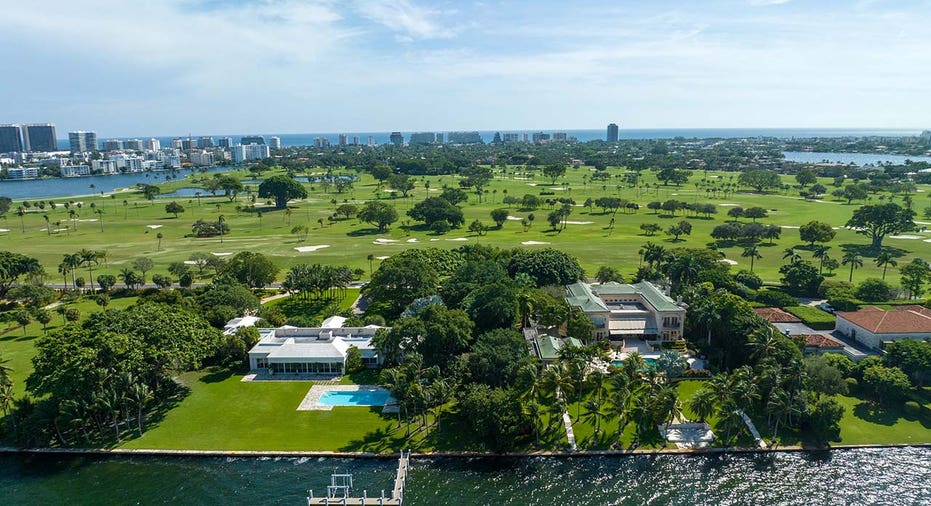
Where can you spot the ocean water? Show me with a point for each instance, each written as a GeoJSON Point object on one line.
{"type": "Point", "coordinates": [897, 476]}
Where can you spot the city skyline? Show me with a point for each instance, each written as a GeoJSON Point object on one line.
{"type": "Point", "coordinates": [724, 64]}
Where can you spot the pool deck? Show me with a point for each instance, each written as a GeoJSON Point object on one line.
{"type": "Point", "coordinates": [311, 401]}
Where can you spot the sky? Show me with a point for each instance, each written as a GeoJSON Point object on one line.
{"type": "Point", "coordinates": [165, 67]}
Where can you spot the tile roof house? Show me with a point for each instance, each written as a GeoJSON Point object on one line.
{"type": "Point", "coordinates": [873, 326]}
{"type": "Point", "coordinates": [817, 344]}
{"type": "Point", "coordinates": [776, 315]}
{"type": "Point", "coordinates": [628, 311]}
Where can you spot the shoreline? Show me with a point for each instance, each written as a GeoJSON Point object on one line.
{"type": "Point", "coordinates": [431, 455]}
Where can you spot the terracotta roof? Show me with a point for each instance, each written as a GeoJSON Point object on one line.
{"type": "Point", "coordinates": [776, 315]}
{"type": "Point", "coordinates": [901, 320]}
{"type": "Point", "coordinates": [822, 341]}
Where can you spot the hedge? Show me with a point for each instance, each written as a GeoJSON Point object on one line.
{"type": "Point", "coordinates": [813, 317]}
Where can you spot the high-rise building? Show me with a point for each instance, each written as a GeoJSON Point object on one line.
{"type": "Point", "coordinates": [321, 142]}
{"type": "Point", "coordinates": [612, 132]}
{"type": "Point", "coordinates": [112, 145]}
{"type": "Point", "coordinates": [82, 142]}
{"type": "Point", "coordinates": [343, 140]}
{"type": "Point", "coordinates": [396, 138]}
{"type": "Point", "coordinates": [422, 138]}
{"type": "Point", "coordinates": [560, 137]}
{"type": "Point", "coordinates": [249, 152]}
{"type": "Point", "coordinates": [371, 140]}
{"type": "Point", "coordinates": [39, 137]}
{"type": "Point", "coordinates": [511, 137]}
{"type": "Point", "coordinates": [274, 142]}
{"type": "Point", "coordinates": [153, 144]}
{"type": "Point", "coordinates": [355, 140]}
{"type": "Point", "coordinates": [10, 139]}
{"type": "Point", "coordinates": [252, 139]}
{"type": "Point", "coordinates": [188, 144]}
{"type": "Point", "coordinates": [177, 143]}
{"type": "Point", "coordinates": [225, 142]}
{"type": "Point", "coordinates": [541, 137]}
{"type": "Point", "coordinates": [464, 138]}
{"type": "Point", "coordinates": [205, 142]}
{"type": "Point", "coordinates": [132, 145]}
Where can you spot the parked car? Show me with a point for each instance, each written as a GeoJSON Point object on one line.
{"type": "Point", "coordinates": [827, 308]}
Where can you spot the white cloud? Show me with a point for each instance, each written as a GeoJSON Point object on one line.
{"type": "Point", "coordinates": [405, 18]}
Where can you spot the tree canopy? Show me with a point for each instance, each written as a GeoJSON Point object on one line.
{"type": "Point", "coordinates": [282, 188]}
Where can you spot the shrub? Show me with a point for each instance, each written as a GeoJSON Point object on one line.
{"type": "Point", "coordinates": [912, 408]}
{"type": "Point", "coordinates": [750, 279]}
{"type": "Point", "coordinates": [813, 317]}
{"type": "Point", "coordinates": [845, 303]}
{"type": "Point", "coordinates": [776, 298]}
{"type": "Point", "coordinates": [834, 288]}
{"type": "Point", "coordinates": [874, 290]}
{"type": "Point", "coordinates": [852, 385]}
{"type": "Point", "coordinates": [354, 360]}
{"type": "Point", "coordinates": [697, 373]}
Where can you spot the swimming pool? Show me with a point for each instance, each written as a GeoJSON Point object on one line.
{"type": "Point", "coordinates": [354, 398]}
{"type": "Point", "coordinates": [650, 362]}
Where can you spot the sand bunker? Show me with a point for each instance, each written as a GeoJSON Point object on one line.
{"type": "Point", "coordinates": [578, 222]}
{"type": "Point", "coordinates": [728, 261]}
{"type": "Point", "coordinates": [308, 249]}
{"type": "Point", "coordinates": [93, 219]}
{"type": "Point", "coordinates": [4, 230]}
{"type": "Point", "coordinates": [382, 258]}
{"type": "Point", "coordinates": [728, 205]}
{"type": "Point", "coordinates": [153, 226]}
{"type": "Point", "coordinates": [384, 241]}
{"type": "Point", "coordinates": [190, 262]}
{"type": "Point", "coordinates": [413, 239]}
{"type": "Point", "coordinates": [906, 236]}
{"type": "Point", "coordinates": [788, 226]}
{"type": "Point", "coordinates": [221, 254]}
{"type": "Point", "coordinates": [459, 239]}
{"type": "Point", "coordinates": [515, 218]}
{"type": "Point", "coordinates": [533, 243]}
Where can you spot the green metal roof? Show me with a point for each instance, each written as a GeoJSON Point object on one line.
{"type": "Point", "coordinates": [587, 297]}
{"type": "Point", "coordinates": [549, 346]}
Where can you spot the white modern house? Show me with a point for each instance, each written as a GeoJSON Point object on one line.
{"type": "Point", "coordinates": [873, 326]}
{"type": "Point", "coordinates": [312, 350]}
{"type": "Point", "coordinates": [621, 312]}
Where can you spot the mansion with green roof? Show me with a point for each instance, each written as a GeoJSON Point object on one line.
{"type": "Point", "coordinates": [629, 312]}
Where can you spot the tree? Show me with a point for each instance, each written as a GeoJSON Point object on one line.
{"type": "Point", "coordinates": [354, 360]}
{"type": "Point", "coordinates": [885, 385]}
{"type": "Point", "coordinates": [144, 265]}
{"type": "Point", "coordinates": [853, 260]}
{"type": "Point", "coordinates": [816, 231]}
{"type": "Point", "coordinates": [650, 229]}
{"type": "Point", "coordinates": [499, 216]}
{"type": "Point", "coordinates": [801, 278]}
{"type": "Point", "coordinates": [347, 210]}
{"type": "Point", "coordinates": [476, 227]}
{"type": "Point", "coordinates": [554, 172]}
{"type": "Point", "coordinates": [878, 221]}
{"type": "Point", "coordinates": [399, 280]}
{"type": "Point", "coordinates": [913, 357]}
{"type": "Point", "coordinates": [759, 179]}
{"type": "Point", "coordinates": [806, 177]}
{"type": "Point", "coordinates": [379, 214]}
{"type": "Point", "coordinates": [823, 378]}
{"type": "Point", "coordinates": [607, 274]}
{"type": "Point", "coordinates": [546, 266]}
{"type": "Point", "coordinates": [852, 192]}
{"type": "Point", "coordinates": [174, 208]}
{"type": "Point", "coordinates": [149, 191]}
{"type": "Point", "coordinates": [497, 357]}
{"type": "Point", "coordinates": [162, 281]}
{"type": "Point", "coordinates": [401, 183]}
{"type": "Point", "coordinates": [106, 282]}
{"type": "Point", "coordinates": [301, 232]}
{"type": "Point", "coordinates": [675, 176]}
{"type": "Point", "coordinates": [130, 278]}
{"type": "Point", "coordinates": [681, 228]}
{"type": "Point", "coordinates": [158, 237]}
{"type": "Point", "coordinates": [440, 227]}
{"type": "Point", "coordinates": [753, 253]}
{"type": "Point", "coordinates": [202, 228]}
{"type": "Point", "coordinates": [823, 421]}
{"type": "Point", "coordinates": [497, 417]}
{"type": "Point", "coordinates": [885, 259]}
{"type": "Point", "coordinates": [252, 269]}
{"type": "Point", "coordinates": [454, 196]}
{"type": "Point", "coordinates": [873, 290]}
{"type": "Point", "coordinates": [493, 306]}
{"type": "Point", "coordinates": [755, 213]}
{"type": "Point", "coordinates": [914, 276]}
{"type": "Point", "coordinates": [433, 209]}
{"type": "Point", "coordinates": [13, 266]}
{"type": "Point", "coordinates": [282, 188]}
{"type": "Point", "coordinates": [735, 212]}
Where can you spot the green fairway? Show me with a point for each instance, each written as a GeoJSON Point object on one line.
{"type": "Point", "coordinates": [131, 230]}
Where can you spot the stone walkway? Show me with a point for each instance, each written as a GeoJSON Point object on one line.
{"type": "Point", "coordinates": [756, 434]}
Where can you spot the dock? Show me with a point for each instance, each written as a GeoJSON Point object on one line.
{"type": "Point", "coordinates": [340, 490]}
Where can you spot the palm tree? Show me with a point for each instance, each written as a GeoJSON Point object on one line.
{"type": "Point", "coordinates": [90, 258]}
{"type": "Point", "coordinates": [702, 403]}
{"type": "Point", "coordinates": [48, 226]}
{"type": "Point", "coordinates": [789, 253]}
{"type": "Point", "coordinates": [159, 236]}
{"type": "Point", "coordinates": [593, 415]}
{"type": "Point", "coordinates": [21, 213]}
{"type": "Point", "coordinates": [884, 259]}
{"type": "Point", "coordinates": [99, 212]}
{"type": "Point", "coordinates": [220, 222]}
{"type": "Point", "coordinates": [854, 261]}
{"type": "Point", "coordinates": [371, 259]}
{"type": "Point", "coordinates": [821, 253]}
{"type": "Point", "coordinates": [751, 252]}
{"type": "Point", "coordinates": [6, 386]}
{"type": "Point", "coordinates": [653, 253]}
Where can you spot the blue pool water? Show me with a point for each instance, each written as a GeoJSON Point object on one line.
{"type": "Point", "coordinates": [358, 398]}
{"type": "Point", "coordinates": [651, 362]}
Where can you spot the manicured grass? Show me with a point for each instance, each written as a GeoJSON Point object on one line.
{"type": "Point", "coordinates": [864, 423]}
{"type": "Point", "coordinates": [126, 233]}
{"type": "Point", "coordinates": [813, 317]}
{"type": "Point", "coordinates": [223, 413]}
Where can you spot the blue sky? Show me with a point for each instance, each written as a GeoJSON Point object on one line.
{"type": "Point", "coordinates": [165, 67]}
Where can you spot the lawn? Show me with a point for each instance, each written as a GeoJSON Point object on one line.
{"type": "Point", "coordinates": [223, 413]}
